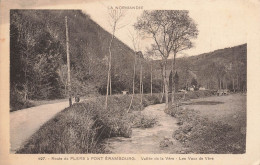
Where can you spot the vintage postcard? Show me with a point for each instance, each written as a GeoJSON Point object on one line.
{"type": "Point", "coordinates": [129, 82]}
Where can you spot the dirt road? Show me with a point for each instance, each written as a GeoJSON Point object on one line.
{"type": "Point", "coordinates": [24, 123]}
{"type": "Point", "coordinates": [147, 141]}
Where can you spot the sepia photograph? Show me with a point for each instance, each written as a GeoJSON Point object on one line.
{"type": "Point", "coordinates": [75, 87]}
{"type": "Point", "coordinates": [133, 82]}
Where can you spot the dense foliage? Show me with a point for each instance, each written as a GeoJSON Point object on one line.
{"type": "Point", "coordinates": [38, 56]}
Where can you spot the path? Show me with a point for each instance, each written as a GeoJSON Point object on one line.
{"type": "Point", "coordinates": [147, 141]}
{"type": "Point", "coordinates": [23, 123]}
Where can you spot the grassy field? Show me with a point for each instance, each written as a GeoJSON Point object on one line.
{"type": "Point", "coordinates": [213, 125]}
{"type": "Point", "coordinates": [230, 109]}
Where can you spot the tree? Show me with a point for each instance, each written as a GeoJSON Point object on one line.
{"type": "Point", "coordinates": [176, 81]}
{"type": "Point", "coordinates": [184, 67]}
{"type": "Point", "coordinates": [220, 72]}
{"type": "Point", "coordinates": [149, 57]}
{"type": "Point", "coordinates": [115, 16]}
{"type": "Point", "coordinates": [239, 75]}
{"type": "Point", "coordinates": [171, 31]}
{"type": "Point", "coordinates": [141, 57]}
{"type": "Point", "coordinates": [162, 81]}
{"type": "Point", "coordinates": [135, 42]}
{"type": "Point", "coordinates": [184, 31]}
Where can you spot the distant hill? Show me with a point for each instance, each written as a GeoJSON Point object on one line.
{"type": "Point", "coordinates": [228, 65]}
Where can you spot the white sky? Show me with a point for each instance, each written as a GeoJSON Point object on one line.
{"type": "Point", "coordinates": [217, 28]}
{"type": "Point", "coordinates": [221, 23]}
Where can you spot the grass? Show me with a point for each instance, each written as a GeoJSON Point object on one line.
{"type": "Point", "coordinates": [213, 130]}
{"type": "Point", "coordinates": [139, 120]}
{"type": "Point", "coordinates": [18, 105]}
{"type": "Point", "coordinates": [82, 127]}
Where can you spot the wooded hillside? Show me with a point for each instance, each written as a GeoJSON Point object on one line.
{"type": "Point", "coordinates": [223, 68]}
{"type": "Point", "coordinates": [38, 60]}
{"type": "Point", "coordinates": [38, 55]}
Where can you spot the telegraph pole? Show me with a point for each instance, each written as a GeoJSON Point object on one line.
{"type": "Point", "coordinates": [68, 61]}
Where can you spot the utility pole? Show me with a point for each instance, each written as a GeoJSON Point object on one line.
{"type": "Point", "coordinates": [68, 61]}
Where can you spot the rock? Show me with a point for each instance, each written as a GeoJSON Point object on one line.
{"type": "Point", "coordinates": [177, 136]}
{"type": "Point", "coordinates": [180, 123]}
{"type": "Point", "coordinates": [128, 133]}
{"type": "Point", "coordinates": [187, 129]}
{"type": "Point", "coordinates": [166, 142]}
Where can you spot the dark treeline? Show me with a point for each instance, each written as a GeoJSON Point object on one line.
{"type": "Point", "coordinates": [38, 67]}
{"type": "Point", "coordinates": [223, 69]}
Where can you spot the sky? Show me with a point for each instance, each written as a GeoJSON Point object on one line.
{"type": "Point", "coordinates": [220, 23]}
{"type": "Point", "coordinates": [217, 28]}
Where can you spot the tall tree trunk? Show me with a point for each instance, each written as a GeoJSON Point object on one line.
{"type": "Point", "coordinates": [108, 78]}
{"type": "Point", "coordinates": [162, 85]}
{"type": "Point", "coordinates": [237, 83]}
{"type": "Point", "coordinates": [133, 86]}
{"type": "Point", "coordinates": [26, 80]}
{"type": "Point", "coordinates": [110, 85]}
{"type": "Point", "coordinates": [162, 92]}
{"type": "Point", "coordinates": [151, 79]}
{"type": "Point", "coordinates": [68, 61]}
{"type": "Point", "coordinates": [141, 86]}
{"type": "Point", "coordinates": [109, 66]}
{"type": "Point", "coordinates": [173, 83]}
{"type": "Point", "coordinates": [140, 80]}
{"type": "Point", "coordinates": [165, 85]}
{"type": "Point", "coordinates": [233, 84]}
{"type": "Point", "coordinates": [142, 95]}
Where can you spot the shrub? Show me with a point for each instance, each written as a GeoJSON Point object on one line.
{"type": "Point", "coordinates": [82, 127]}
{"type": "Point", "coordinates": [17, 101]}
{"type": "Point", "coordinates": [203, 136]}
{"type": "Point", "coordinates": [142, 121]}
{"type": "Point", "coordinates": [154, 99]}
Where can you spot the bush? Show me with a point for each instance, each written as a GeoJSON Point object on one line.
{"type": "Point", "coordinates": [82, 127]}
{"type": "Point", "coordinates": [17, 101]}
{"type": "Point", "coordinates": [205, 137]}
{"type": "Point", "coordinates": [142, 121]}
{"type": "Point", "coordinates": [154, 99]}
{"type": "Point", "coordinates": [199, 94]}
